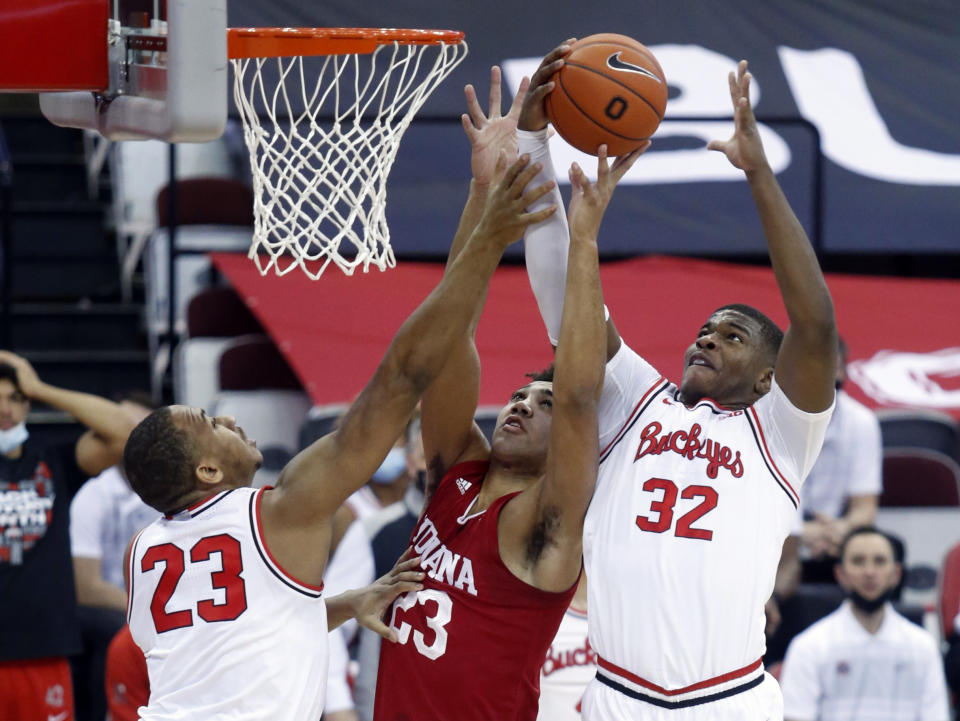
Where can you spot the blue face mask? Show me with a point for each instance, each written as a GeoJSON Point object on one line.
{"type": "Point", "coordinates": [393, 466]}
{"type": "Point", "coordinates": [13, 438]}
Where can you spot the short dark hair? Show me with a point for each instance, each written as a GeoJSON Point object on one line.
{"type": "Point", "coordinates": [158, 460]}
{"type": "Point", "coordinates": [896, 545]}
{"type": "Point", "coordinates": [770, 333]}
{"type": "Point", "coordinates": [9, 373]}
{"type": "Point", "coordinates": [545, 375]}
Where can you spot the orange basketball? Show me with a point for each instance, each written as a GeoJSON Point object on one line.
{"type": "Point", "coordinates": [610, 90]}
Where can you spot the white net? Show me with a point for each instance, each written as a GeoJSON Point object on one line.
{"type": "Point", "coordinates": [323, 133]}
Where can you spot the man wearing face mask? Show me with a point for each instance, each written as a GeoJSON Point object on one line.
{"type": "Point", "coordinates": [864, 660]}
{"type": "Point", "coordinates": [38, 626]}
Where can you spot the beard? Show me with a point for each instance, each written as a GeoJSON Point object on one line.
{"type": "Point", "coordinates": [869, 605]}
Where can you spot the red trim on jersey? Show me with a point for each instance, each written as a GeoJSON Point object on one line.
{"type": "Point", "coordinates": [130, 570]}
{"type": "Point", "coordinates": [766, 452]}
{"type": "Point", "coordinates": [266, 548]}
{"type": "Point", "coordinates": [191, 508]}
{"type": "Point", "coordinates": [626, 423]}
{"type": "Point", "coordinates": [716, 680]}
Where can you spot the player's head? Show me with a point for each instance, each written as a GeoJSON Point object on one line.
{"type": "Point", "coordinates": [522, 434]}
{"type": "Point", "coordinates": [869, 568]}
{"type": "Point", "coordinates": [177, 450]}
{"type": "Point", "coordinates": [732, 359]}
{"type": "Point", "coordinates": [14, 404]}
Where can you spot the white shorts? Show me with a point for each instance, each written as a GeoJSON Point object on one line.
{"type": "Point", "coordinates": [763, 702]}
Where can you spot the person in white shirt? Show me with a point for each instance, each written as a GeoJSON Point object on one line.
{"type": "Point", "coordinates": [864, 660]}
{"type": "Point", "coordinates": [698, 481]}
{"type": "Point", "coordinates": [570, 664]}
{"type": "Point", "coordinates": [843, 488]}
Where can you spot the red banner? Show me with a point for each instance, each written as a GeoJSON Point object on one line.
{"type": "Point", "coordinates": [902, 334]}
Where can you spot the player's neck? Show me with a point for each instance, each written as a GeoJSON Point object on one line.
{"type": "Point", "coordinates": [690, 400]}
{"type": "Point", "coordinates": [502, 479]}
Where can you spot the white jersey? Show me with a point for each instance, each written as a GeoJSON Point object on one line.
{"type": "Point", "coordinates": [684, 532]}
{"type": "Point", "coordinates": [570, 665]}
{"type": "Point", "coordinates": [227, 634]}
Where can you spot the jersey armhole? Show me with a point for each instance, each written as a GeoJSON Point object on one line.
{"type": "Point", "coordinates": [269, 561]}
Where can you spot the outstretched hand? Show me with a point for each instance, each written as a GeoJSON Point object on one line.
{"type": "Point", "coordinates": [588, 202]}
{"type": "Point", "coordinates": [505, 215]}
{"type": "Point", "coordinates": [744, 148]}
{"type": "Point", "coordinates": [27, 377]}
{"type": "Point", "coordinates": [533, 115]}
{"type": "Point", "coordinates": [375, 598]}
{"type": "Point", "coordinates": [491, 133]}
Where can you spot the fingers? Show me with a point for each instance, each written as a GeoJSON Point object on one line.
{"type": "Point", "coordinates": [405, 566]}
{"type": "Point", "coordinates": [493, 109]}
{"type": "Point", "coordinates": [468, 128]}
{"type": "Point", "coordinates": [623, 164]}
{"type": "Point", "coordinates": [603, 168]}
{"type": "Point", "coordinates": [534, 194]}
{"type": "Point", "coordinates": [473, 107]}
{"type": "Point", "coordinates": [578, 180]}
{"type": "Point", "coordinates": [527, 173]}
{"type": "Point", "coordinates": [383, 629]}
{"type": "Point", "coordinates": [538, 216]}
{"type": "Point", "coordinates": [521, 97]}
{"type": "Point", "coordinates": [720, 145]}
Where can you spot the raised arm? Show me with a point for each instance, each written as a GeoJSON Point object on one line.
{"type": "Point", "coordinates": [546, 244]}
{"type": "Point", "coordinates": [807, 361]}
{"type": "Point", "coordinates": [541, 531]}
{"type": "Point", "coordinates": [447, 410]}
{"type": "Point", "coordinates": [108, 420]}
{"type": "Point", "coordinates": [320, 477]}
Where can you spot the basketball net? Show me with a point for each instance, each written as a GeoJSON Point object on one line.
{"type": "Point", "coordinates": [321, 147]}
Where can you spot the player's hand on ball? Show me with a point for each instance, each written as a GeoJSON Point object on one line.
{"type": "Point", "coordinates": [491, 133]}
{"type": "Point", "coordinates": [744, 148]}
{"type": "Point", "coordinates": [533, 116]}
{"type": "Point", "coordinates": [375, 598]}
{"type": "Point", "coordinates": [588, 201]}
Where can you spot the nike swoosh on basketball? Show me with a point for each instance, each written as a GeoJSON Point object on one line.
{"type": "Point", "coordinates": [618, 63]}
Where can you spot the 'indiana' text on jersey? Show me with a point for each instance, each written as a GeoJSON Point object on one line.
{"type": "Point", "coordinates": [470, 643]}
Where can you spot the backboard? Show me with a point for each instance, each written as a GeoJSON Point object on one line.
{"type": "Point", "coordinates": [131, 69]}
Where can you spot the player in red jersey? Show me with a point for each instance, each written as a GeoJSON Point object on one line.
{"type": "Point", "coordinates": [500, 535]}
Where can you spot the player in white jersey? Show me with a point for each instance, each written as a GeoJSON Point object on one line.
{"type": "Point", "coordinates": [698, 482]}
{"type": "Point", "coordinates": [226, 590]}
{"type": "Point", "coordinates": [570, 665]}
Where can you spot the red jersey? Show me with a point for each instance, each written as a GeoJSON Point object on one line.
{"type": "Point", "coordinates": [471, 643]}
{"type": "Point", "coordinates": [128, 687]}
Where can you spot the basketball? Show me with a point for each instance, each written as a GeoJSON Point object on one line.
{"type": "Point", "coordinates": [610, 90]}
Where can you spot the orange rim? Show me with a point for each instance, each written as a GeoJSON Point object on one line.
{"type": "Point", "coordinates": [289, 42]}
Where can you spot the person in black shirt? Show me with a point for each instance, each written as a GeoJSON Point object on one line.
{"type": "Point", "coordinates": [38, 627]}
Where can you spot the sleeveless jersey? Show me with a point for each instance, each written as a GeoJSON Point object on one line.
{"type": "Point", "coordinates": [570, 665]}
{"type": "Point", "coordinates": [471, 643]}
{"type": "Point", "coordinates": [684, 532]}
{"type": "Point", "coordinates": [226, 633]}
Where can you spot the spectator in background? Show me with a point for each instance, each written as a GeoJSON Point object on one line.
{"type": "Point", "coordinates": [38, 624]}
{"type": "Point", "coordinates": [864, 660]}
{"type": "Point", "coordinates": [104, 516]}
{"type": "Point", "coordinates": [844, 484]}
{"type": "Point", "coordinates": [570, 664]}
